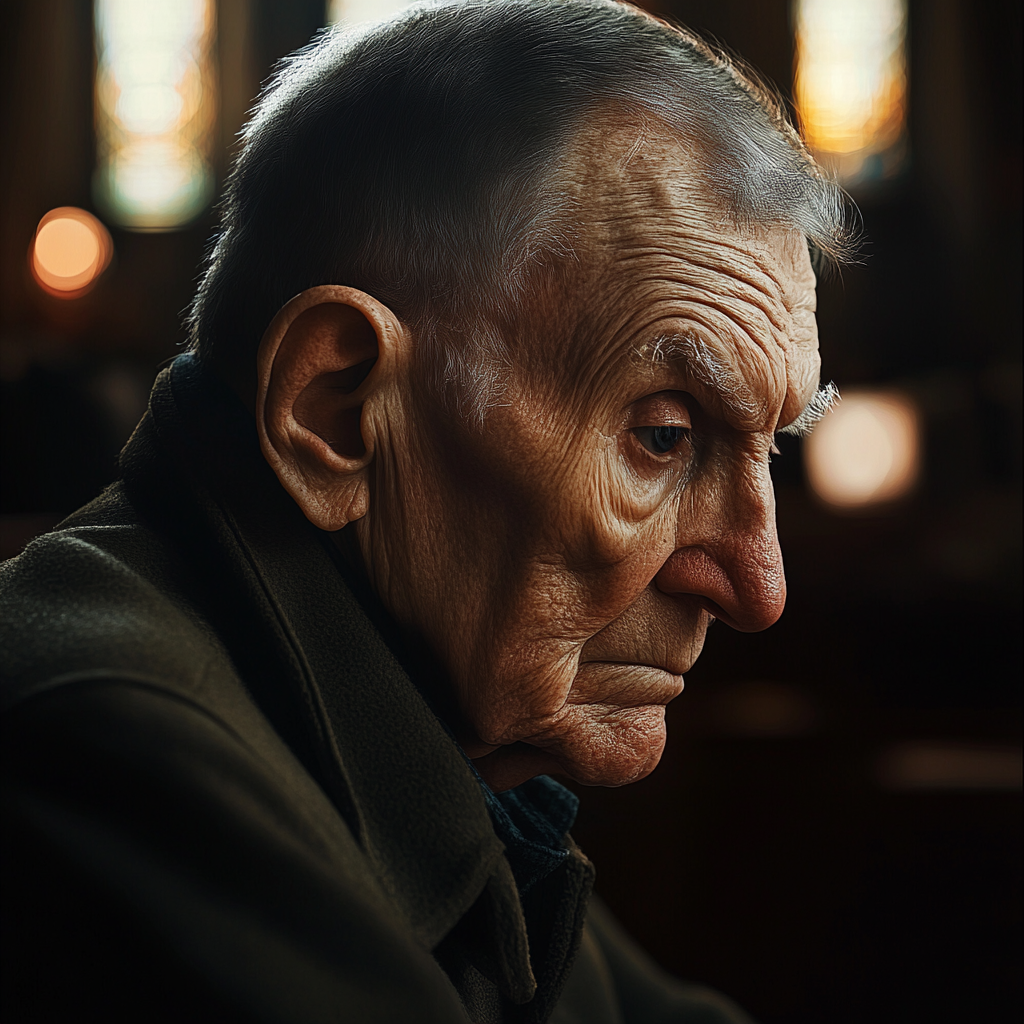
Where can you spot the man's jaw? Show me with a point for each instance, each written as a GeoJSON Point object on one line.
{"type": "Point", "coordinates": [594, 744]}
{"type": "Point", "coordinates": [609, 732]}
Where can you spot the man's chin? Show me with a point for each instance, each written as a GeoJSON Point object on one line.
{"type": "Point", "coordinates": [595, 746]}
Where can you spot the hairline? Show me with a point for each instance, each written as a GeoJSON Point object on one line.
{"type": "Point", "coordinates": [471, 373]}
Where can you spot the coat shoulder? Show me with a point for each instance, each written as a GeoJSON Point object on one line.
{"type": "Point", "coordinates": [102, 596]}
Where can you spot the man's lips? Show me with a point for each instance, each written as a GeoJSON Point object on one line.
{"type": "Point", "coordinates": [624, 684]}
{"type": "Point", "coordinates": [607, 687]}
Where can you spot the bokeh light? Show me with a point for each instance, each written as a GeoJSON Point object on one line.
{"type": "Point", "coordinates": [69, 251]}
{"type": "Point", "coordinates": [155, 110]}
{"type": "Point", "coordinates": [867, 451]}
{"type": "Point", "coordinates": [851, 84]}
{"type": "Point", "coordinates": [917, 765]}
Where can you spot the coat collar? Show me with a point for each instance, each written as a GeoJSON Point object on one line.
{"type": "Point", "coordinates": [388, 763]}
{"type": "Point", "coordinates": [383, 756]}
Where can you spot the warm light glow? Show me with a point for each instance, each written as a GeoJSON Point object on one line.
{"type": "Point", "coordinates": [354, 12]}
{"type": "Point", "coordinates": [764, 708]}
{"type": "Point", "coordinates": [155, 110]}
{"type": "Point", "coordinates": [866, 451]}
{"type": "Point", "coordinates": [70, 250]}
{"type": "Point", "coordinates": [851, 83]}
{"type": "Point", "coordinates": [925, 766]}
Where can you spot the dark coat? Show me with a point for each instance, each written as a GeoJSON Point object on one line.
{"type": "Point", "coordinates": [225, 798]}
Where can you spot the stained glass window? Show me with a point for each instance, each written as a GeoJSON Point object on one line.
{"type": "Point", "coordinates": [155, 110]}
{"type": "Point", "coordinates": [851, 84]}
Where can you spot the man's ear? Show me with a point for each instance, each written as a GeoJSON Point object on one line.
{"type": "Point", "coordinates": [324, 356]}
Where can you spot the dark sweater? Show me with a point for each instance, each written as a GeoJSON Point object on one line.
{"type": "Point", "coordinates": [225, 797]}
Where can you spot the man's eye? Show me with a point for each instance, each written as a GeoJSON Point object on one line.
{"type": "Point", "coordinates": [660, 440]}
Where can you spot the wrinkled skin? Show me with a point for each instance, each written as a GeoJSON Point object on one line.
{"type": "Point", "coordinates": [563, 571]}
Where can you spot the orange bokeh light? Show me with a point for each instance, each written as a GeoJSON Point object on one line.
{"type": "Point", "coordinates": [866, 451]}
{"type": "Point", "coordinates": [851, 84]}
{"type": "Point", "coordinates": [70, 250]}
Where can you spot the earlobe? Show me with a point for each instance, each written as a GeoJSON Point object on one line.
{"type": "Point", "coordinates": [323, 359]}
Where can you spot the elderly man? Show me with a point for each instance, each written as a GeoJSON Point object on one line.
{"type": "Point", "coordinates": [472, 444]}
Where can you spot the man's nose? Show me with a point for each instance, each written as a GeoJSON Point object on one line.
{"type": "Point", "coordinates": [733, 564]}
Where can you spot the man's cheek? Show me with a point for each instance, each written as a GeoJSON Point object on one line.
{"type": "Point", "coordinates": [602, 512]}
{"type": "Point", "coordinates": [622, 555]}
{"type": "Point", "coordinates": [608, 593]}
{"type": "Point", "coordinates": [527, 692]}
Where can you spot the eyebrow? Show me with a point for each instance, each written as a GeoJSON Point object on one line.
{"type": "Point", "coordinates": [708, 370]}
{"type": "Point", "coordinates": [813, 412]}
{"type": "Point", "coordinates": [711, 372]}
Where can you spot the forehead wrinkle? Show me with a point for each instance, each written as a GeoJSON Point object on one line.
{"type": "Point", "coordinates": [698, 262]}
{"type": "Point", "coordinates": [601, 341]}
{"type": "Point", "coordinates": [659, 246]}
{"type": "Point", "coordinates": [713, 268]}
{"type": "Point", "coordinates": [701, 264]}
{"type": "Point", "coordinates": [750, 329]}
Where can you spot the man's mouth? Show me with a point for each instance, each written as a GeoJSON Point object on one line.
{"type": "Point", "coordinates": [625, 684]}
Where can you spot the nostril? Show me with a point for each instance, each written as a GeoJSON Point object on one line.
{"type": "Point", "coordinates": [715, 610]}
{"type": "Point", "coordinates": [760, 610]}
{"type": "Point", "coordinates": [748, 596]}
{"type": "Point", "coordinates": [742, 621]}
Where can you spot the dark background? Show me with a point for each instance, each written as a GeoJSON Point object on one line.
{"type": "Point", "coordinates": [770, 854]}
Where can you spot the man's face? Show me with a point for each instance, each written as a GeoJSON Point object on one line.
{"type": "Point", "coordinates": [565, 559]}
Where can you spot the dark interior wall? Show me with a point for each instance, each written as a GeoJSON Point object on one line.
{"type": "Point", "coordinates": [770, 859]}
{"type": "Point", "coordinates": [759, 33]}
{"type": "Point", "coordinates": [74, 375]}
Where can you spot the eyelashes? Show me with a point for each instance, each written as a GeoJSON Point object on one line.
{"type": "Point", "coordinates": [662, 439]}
{"type": "Point", "coordinates": [815, 411]}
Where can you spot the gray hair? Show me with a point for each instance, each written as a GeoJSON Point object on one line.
{"type": "Point", "coordinates": [416, 159]}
